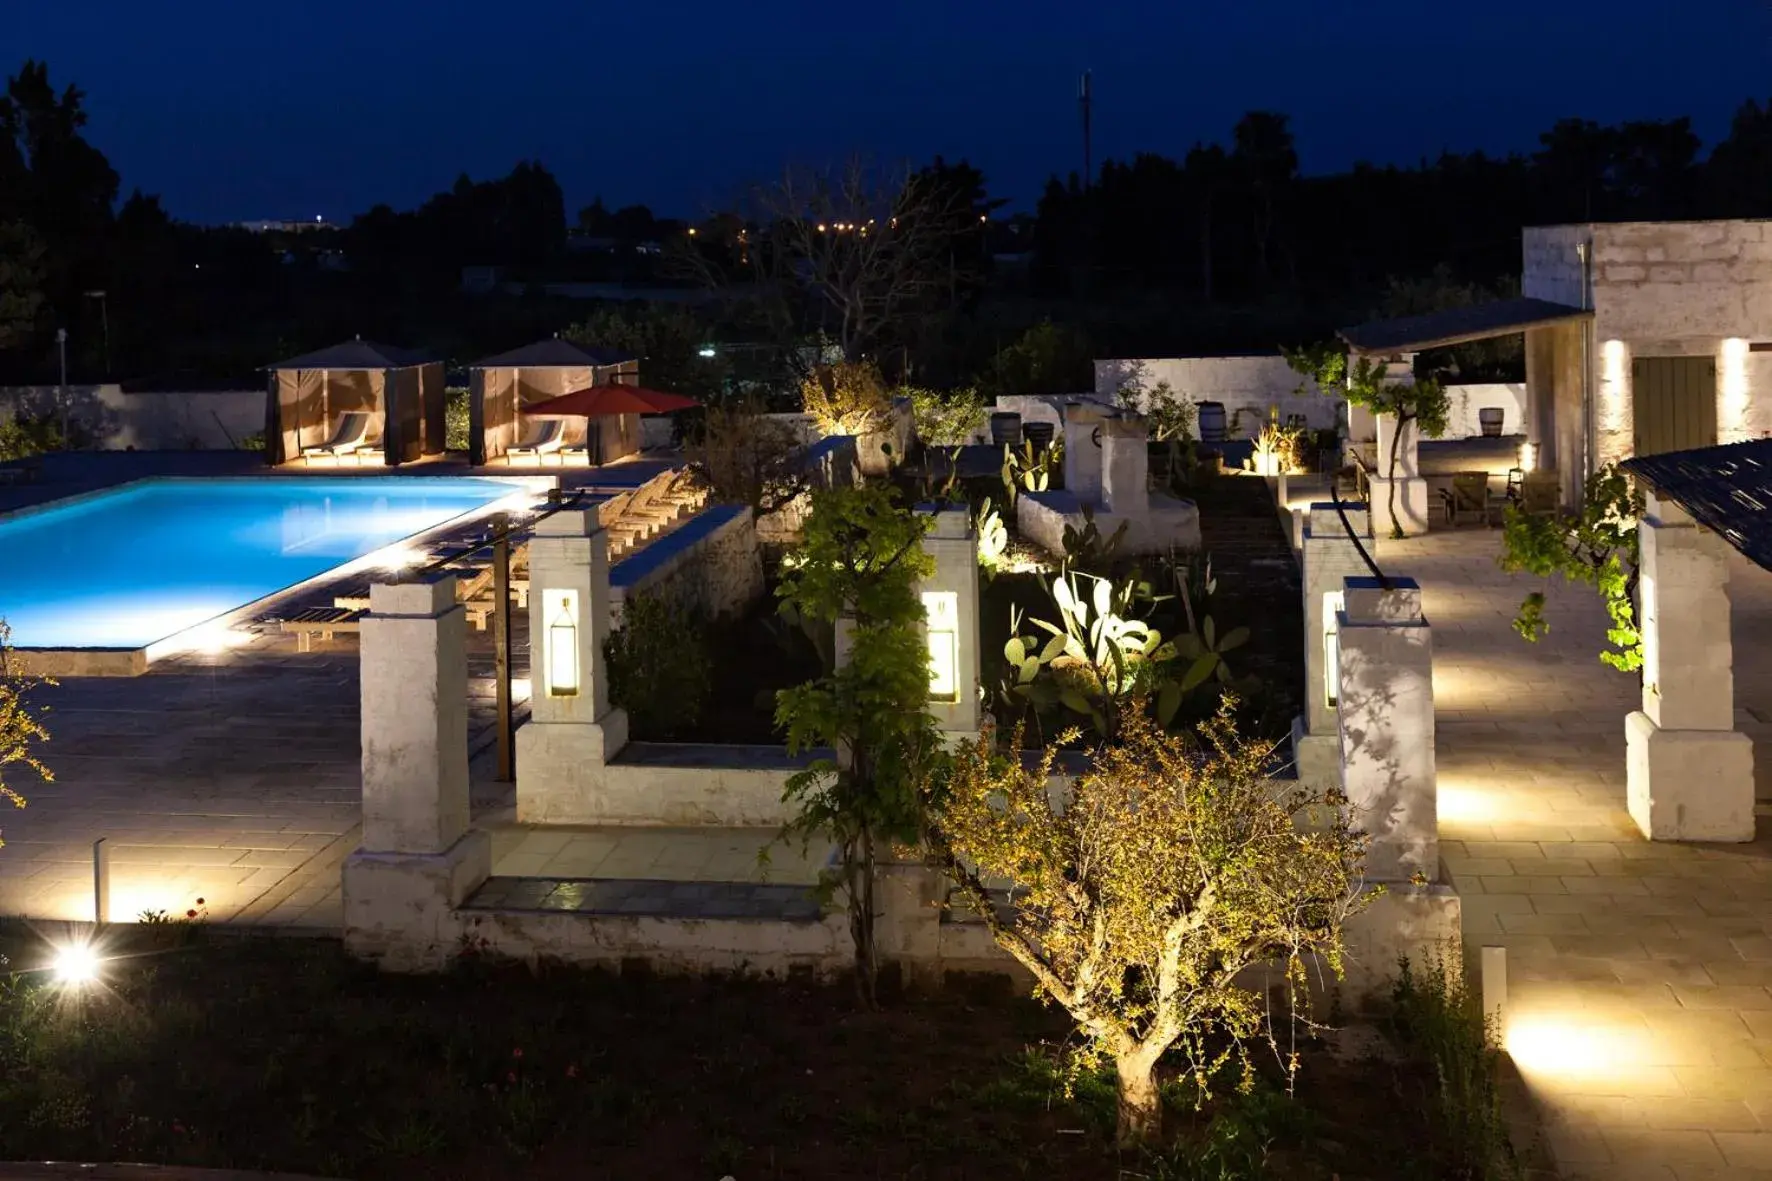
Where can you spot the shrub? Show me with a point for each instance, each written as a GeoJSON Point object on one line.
{"type": "Point", "coordinates": [25, 436]}
{"type": "Point", "coordinates": [455, 419]}
{"type": "Point", "coordinates": [946, 418]}
{"type": "Point", "coordinates": [742, 456]}
{"type": "Point", "coordinates": [848, 398]}
{"type": "Point", "coordinates": [659, 667]}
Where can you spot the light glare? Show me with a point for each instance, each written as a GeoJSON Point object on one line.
{"type": "Point", "coordinates": [76, 964]}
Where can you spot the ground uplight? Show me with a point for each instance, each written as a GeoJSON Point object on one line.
{"type": "Point", "coordinates": [76, 964]}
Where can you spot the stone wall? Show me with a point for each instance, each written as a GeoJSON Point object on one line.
{"type": "Point", "coordinates": [1251, 384]}
{"type": "Point", "coordinates": [116, 420]}
{"type": "Point", "coordinates": [1667, 289]}
{"type": "Point", "coordinates": [712, 562]}
{"type": "Point", "coordinates": [832, 463]}
{"type": "Point", "coordinates": [1464, 421]}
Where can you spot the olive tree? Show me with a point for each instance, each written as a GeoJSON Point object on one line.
{"type": "Point", "coordinates": [1138, 904]}
{"type": "Point", "coordinates": [858, 562]}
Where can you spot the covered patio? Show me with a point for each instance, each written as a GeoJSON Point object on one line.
{"type": "Point", "coordinates": [1557, 427]}
{"type": "Point", "coordinates": [355, 404]}
{"type": "Point", "coordinates": [500, 387]}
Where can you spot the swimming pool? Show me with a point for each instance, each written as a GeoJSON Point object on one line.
{"type": "Point", "coordinates": [138, 564]}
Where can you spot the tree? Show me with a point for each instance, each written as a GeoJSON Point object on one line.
{"type": "Point", "coordinates": [21, 284]}
{"type": "Point", "coordinates": [1206, 170]}
{"type": "Point", "coordinates": [743, 456]}
{"type": "Point", "coordinates": [668, 339]}
{"type": "Point", "coordinates": [1739, 171]}
{"type": "Point", "coordinates": [854, 255]}
{"type": "Point", "coordinates": [848, 398]}
{"type": "Point", "coordinates": [1422, 404]}
{"type": "Point", "coordinates": [53, 179]}
{"type": "Point", "coordinates": [859, 561]}
{"type": "Point", "coordinates": [1174, 868]}
{"type": "Point", "coordinates": [1597, 547]}
{"type": "Point", "coordinates": [1046, 359]}
{"type": "Point", "coordinates": [1266, 163]}
{"type": "Point", "coordinates": [21, 728]}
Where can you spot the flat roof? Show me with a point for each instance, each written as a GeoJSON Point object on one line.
{"type": "Point", "coordinates": [1432, 330]}
{"type": "Point", "coordinates": [1727, 489]}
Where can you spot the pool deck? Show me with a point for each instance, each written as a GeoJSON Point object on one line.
{"type": "Point", "coordinates": [233, 777]}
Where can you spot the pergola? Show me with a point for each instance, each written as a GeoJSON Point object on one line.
{"type": "Point", "coordinates": [401, 390]}
{"type": "Point", "coordinates": [1690, 773]}
{"type": "Point", "coordinates": [1557, 406]}
{"type": "Point", "coordinates": [499, 387]}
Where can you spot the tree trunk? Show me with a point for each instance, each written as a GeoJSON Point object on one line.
{"type": "Point", "coordinates": [861, 922]}
{"type": "Point", "coordinates": [1391, 484]}
{"type": "Point", "coordinates": [1141, 1105]}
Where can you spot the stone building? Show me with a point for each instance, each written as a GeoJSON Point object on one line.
{"type": "Point", "coordinates": [1679, 352]}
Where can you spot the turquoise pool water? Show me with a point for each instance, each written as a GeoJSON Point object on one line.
{"type": "Point", "coordinates": [140, 563]}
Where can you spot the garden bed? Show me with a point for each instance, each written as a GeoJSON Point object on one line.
{"type": "Point", "coordinates": [209, 1049]}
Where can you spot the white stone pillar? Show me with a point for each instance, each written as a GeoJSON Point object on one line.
{"type": "Point", "coordinates": [1386, 706]}
{"type": "Point", "coordinates": [950, 604]}
{"type": "Point", "coordinates": [1082, 450]}
{"type": "Point", "coordinates": [1689, 774]}
{"type": "Point", "coordinates": [1328, 557]}
{"type": "Point", "coordinates": [1125, 465]}
{"type": "Point", "coordinates": [419, 859]}
{"type": "Point", "coordinates": [572, 732]}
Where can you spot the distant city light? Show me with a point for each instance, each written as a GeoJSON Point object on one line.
{"type": "Point", "coordinates": [706, 350]}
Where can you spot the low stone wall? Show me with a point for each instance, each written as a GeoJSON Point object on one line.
{"type": "Point", "coordinates": [878, 452]}
{"type": "Point", "coordinates": [914, 929]}
{"type": "Point", "coordinates": [671, 785]}
{"type": "Point", "coordinates": [832, 463]}
{"type": "Point", "coordinates": [711, 563]}
{"type": "Point", "coordinates": [115, 420]}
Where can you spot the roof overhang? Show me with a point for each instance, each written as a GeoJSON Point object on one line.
{"type": "Point", "coordinates": [1726, 489]}
{"type": "Point", "coordinates": [1433, 330]}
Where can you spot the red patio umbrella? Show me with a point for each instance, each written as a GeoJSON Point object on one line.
{"type": "Point", "coordinates": [604, 401]}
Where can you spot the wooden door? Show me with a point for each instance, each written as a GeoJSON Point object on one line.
{"type": "Point", "coordinates": [1675, 403]}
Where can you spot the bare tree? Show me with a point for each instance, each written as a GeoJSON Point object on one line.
{"type": "Point", "coordinates": [852, 254]}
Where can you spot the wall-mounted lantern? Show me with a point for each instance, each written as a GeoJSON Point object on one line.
{"type": "Point", "coordinates": [560, 609]}
{"type": "Point", "coordinates": [1334, 603]}
{"type": "Point", "coordinates": [943, 630]}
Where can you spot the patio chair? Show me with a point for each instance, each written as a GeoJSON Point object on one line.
{"type": "Point", "coordinates": [350, 435]}
{"type": "Point", "coordinates": [544, 438]}
{"type": "Point", "coordinates": [325, 622]}
{"type": "Point", "coordinates": [1470, 496]}
{"type": "Point", "coordinates": [1541, 494]}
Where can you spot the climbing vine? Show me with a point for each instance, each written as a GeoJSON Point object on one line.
{"type": "Point", "coordinates": [1596, 546]}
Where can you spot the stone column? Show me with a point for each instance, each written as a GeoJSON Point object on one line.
{"type": "Point", "coordinates": [1386, 705]}
{"type": "Point", "coordinates": [1328, 557]}
{"type": "Point", "coordinates": [1125, 465]}
{"type": "Point", "coordinates": [1082, 450]}
{"type": "Point", "coordinates": [572, 732]}
{"type": "Point", "coordinates": [950, 603]}
{"type": "Point", "coordinates": [1689, 774]}
{"type": "Point", "coordinates": [419, 859]}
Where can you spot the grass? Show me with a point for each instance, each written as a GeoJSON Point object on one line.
{"type": "Point", "coordinates": [209, 1049]}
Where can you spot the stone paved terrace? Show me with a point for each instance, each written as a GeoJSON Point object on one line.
{"type": "Point", "coordinates": [1640, 974]}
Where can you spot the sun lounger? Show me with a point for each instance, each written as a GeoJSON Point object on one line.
{"type": "Point", "coordinates": [350, 435]}
{"type": "Point", "coordinates": [544, 438]}
{"type": "Point", "coordinates": [325, 622]}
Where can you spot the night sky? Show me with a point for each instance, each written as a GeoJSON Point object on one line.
{"type": "Point", "coordinates": [232, 110]}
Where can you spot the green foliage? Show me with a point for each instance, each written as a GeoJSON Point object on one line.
{"type": "Point", "coordinates": [253, 442]}
{"type": "Point", "coordinates": [1046, 359]}
{"type": "Point", "coordinates": [946, 418]}
{"type": "Point", "coordinates": [1170, 416]}
{"type": "Point", "coordinates": [1439, 1020]}
{"type": "Point", "coordinates": [993, 538]}
{"type": "Point", "coordinates": [1597, 547]}
{"type": "Point", "coordinates": [21, 725]}
{"type": "Point", "coordinates": [1422, 402]}
{"type": "Point", "coordinates": [21, 284]}
{"type": "Point", "coordinates": [668, 339]}
{"type": "Point", "coordinates": [847, 398]}
{"type": "Point", "coordinates": [1173, 866]}
{"type": "Point", "coordinates": [457, 422]}
{"type": "Point", "coordinates": [744, 456]}
{"type": "Point", "coordinates": [1086, 550]}
{"type": "Point", "coordinates": [659, 667]}
{"type": "Point", "coordinates": [1098, 661]}
{"type": "Point", "coordinates": [23, 437]}
{"type": "Point", "coordinates": [859, 560]}
{"type": "Point", "coordinates": [1025, 468]}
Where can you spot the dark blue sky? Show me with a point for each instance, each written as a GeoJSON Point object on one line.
{"type": "Point", "coordinates": [233, 110]}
